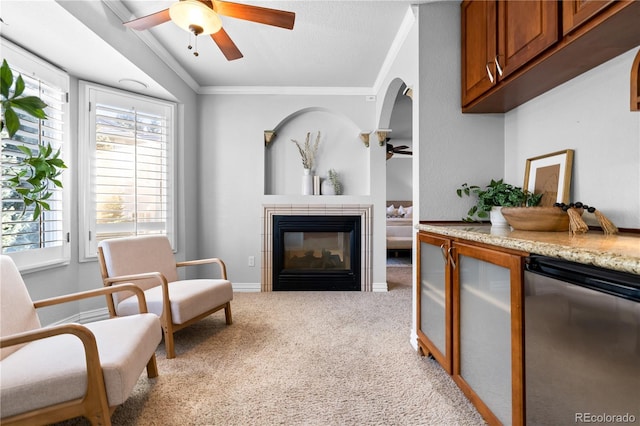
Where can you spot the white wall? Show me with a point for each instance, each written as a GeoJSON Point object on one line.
{"type": "Point", "coordinates": [400, 178]}
{"type": "Point", "coordinates": [589, 114]}
{"type": "Point", "coordinates": [454, 148]}
{"type": "Point", "coordinates": [232, 158]}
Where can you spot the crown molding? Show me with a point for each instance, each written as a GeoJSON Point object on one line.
{"type": "Point", "coordinates": [285, 90]}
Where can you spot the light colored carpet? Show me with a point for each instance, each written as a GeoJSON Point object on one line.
{"type": "Point", "coordinates": [301, 358]}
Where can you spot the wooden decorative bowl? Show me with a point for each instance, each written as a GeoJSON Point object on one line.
{"type": "Point", "coordinates": [537, 218]}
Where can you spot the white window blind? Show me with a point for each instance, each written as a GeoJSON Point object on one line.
{"type": "Point", "coordinates": [35, 243]}
{"type": "Point", "coordinates": [129, 149]}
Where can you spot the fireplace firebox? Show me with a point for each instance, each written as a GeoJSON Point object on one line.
{"type": "Point", "coordinates": [316, 253]}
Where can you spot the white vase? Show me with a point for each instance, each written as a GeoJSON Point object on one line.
{"type": "Point", "coordinates": [327, 188]}
{"type": "Point", "coordinates": [307, 182]}
{"type": "Point", "coordinates": [496, 217]}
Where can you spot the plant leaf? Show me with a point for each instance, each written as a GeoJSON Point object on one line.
{"type": "Point", "coordinates": [19, 87]}
{"type": "Point", "coordinates": [11, 120]}
{"type": "Point", "coordinates": [6, 79]}
{"type": "Point", "coordinates": [31, 105]}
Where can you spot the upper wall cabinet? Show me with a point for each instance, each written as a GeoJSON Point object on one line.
{"type": "Point", "coordinates": [513, 51]}
{"type": "Point", "coordinates": [498, 38]}
{"type": "Point", "coordinates": [576, 12]}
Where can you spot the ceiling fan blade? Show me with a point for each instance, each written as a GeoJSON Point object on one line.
{"type": "Point", "coordinates": [262, 15]}
{"type": "Point", "coordinates": [149, 21]}
{"type": "Point", "coordinates": [226, 45]}
{"type": "Point", "coordinates": [404, 152]}
{"type": "Point", "coordinates": [401, 147]}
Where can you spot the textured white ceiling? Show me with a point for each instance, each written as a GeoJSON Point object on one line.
{"type": "Point", "coordinates": [334, 44]}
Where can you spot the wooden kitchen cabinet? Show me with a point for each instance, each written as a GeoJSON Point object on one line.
{"type": "Point", "coordinates": [576, 12]}
{"type": "Point", "coordinates": [479, 46]}
{"type": "Point", "coordinates": [487, 331]}
{"type": "Point", "coordinates": [500, 37]}
{"type": "Point", "coordinates": [539, 45]}
{"type": "Point", "coordinates": [434, 299]}
{"type": "Point", "coordinates": [470, 319]}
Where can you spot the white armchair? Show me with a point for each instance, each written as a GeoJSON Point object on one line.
{"type": "Point", "coordinates": [49, 374]}
{"type": "Point", "coordinates": [149, 262]}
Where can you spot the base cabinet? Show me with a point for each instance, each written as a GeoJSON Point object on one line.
{"type": "Point", "coordinates": [434, 299]}
{"type": "Point", "coordinates": [479, 308]}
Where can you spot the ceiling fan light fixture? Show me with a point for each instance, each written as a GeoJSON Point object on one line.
{"type": "Point", "coordinates": [195, 17]}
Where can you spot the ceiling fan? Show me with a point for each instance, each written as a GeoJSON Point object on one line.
{"type": "Point", "coordinates": [203, 17]}
{"type": "Point", "coordinates": [402, 149]}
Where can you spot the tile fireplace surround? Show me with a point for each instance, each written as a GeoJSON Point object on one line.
{"type": "Point", "coordinates": [363, 210]}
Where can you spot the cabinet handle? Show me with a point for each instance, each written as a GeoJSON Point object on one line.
{"type": "Point", "coordinates": [498, 68]}
{"type": "Point", "coordinates": [491, 79]}
{"type": "Point", "coordinates": [453, 262]}
{"type": "Point", "coordinates": [444, 253]}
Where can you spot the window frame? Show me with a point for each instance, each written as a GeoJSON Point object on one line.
{"type": "Point", "coordinates": [35, 67]}
{"type": "Point", "coordinates": [86, 150]}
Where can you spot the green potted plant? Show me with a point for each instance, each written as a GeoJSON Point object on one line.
{"type": "Point", "coordinates": [32, 176]}
{"type": "Point", "coordinates": [494, 196]}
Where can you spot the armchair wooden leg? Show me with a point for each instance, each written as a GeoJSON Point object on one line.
{"type": "Point", "coordinates": [227, 313]}
{"type": "Point", "coordinates": [152, 367]}
{"type": "Point", "coordinates": [168, 343]}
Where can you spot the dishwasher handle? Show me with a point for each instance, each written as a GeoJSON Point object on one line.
{"type": "Point", "coordinates": [616, 283]}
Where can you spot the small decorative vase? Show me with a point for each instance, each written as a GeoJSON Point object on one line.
{"type": "Point", "coordinates": [307, 182]}
{"type": "Point", "coordinates": [326, 188]}
{"type": "Point", "coordinates": [496, 217]}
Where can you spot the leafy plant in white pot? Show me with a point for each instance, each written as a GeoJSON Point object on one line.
{"type": "Point", "coordinates": [493, 197]}
{"type": "Point", "coordinates": [33, 175]}
{"type": "Point", "coordinates": [331, 185]}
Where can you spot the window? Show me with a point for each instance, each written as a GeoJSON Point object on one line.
{"type": "Point", "coordinates": [126, 155]}
{"type": "Point", "coordinates": [36, 243]}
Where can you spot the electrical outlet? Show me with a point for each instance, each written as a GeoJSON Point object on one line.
{"type": "Point", "coordinates": [252, 261]}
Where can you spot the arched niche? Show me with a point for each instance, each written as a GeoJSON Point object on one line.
{"type": "Point", "coordinates": [340, 148]}
{"type": "Point", "coordinates": [635, 83]}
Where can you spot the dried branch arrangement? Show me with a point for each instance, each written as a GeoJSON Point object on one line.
{"type": "Point", "coordinates": [308, 151]}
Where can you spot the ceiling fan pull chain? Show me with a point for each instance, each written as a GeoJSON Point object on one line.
{"type": "Point", "coordinates": [190, 47]}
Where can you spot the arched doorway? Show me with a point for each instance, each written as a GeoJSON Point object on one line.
{"type": "Point", "coordinates": [397, 115]}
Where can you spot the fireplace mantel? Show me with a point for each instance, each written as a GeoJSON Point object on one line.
{"type": "Point", "coordinates": [365, 212]}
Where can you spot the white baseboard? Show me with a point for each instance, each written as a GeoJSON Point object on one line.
{"type": "Point", "coordinates": [246, 287]}
{"type": "Point", "coordinates": [413, 340]}
{"type": "Point", "coordinates": [94, 315]}
{"type": "Point", "coordinates": [380, 287]}
{"type": "Point", "coordinates": [85, 317]}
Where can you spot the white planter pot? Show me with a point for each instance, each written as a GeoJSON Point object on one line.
{"type": "Point", "coordinates": [497, 219]}
{"type": "Point", "coordinates": [327, 188]}
{"type": "Point", "coordinates": [307, 182]}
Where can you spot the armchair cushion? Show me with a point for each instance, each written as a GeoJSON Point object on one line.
{"type": "Point", "coordinates": [53, 370]}
{"type": "Point", "coordinates": [188, 298]}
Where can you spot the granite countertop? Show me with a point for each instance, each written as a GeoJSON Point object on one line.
{"type": "Point", "coordinates": [618, 252]}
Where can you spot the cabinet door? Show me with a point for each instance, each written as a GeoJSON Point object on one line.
{"type": "Point", "coordinates": [575, 12]}
{"type": "Point", "coordinates": [434, 299]}
{"type": "Point", "coordinates": [487, 331]}
{"type": "Point", "coordinates": [478, 47]}
{"type": "Point", "coordinates": [525, 29]}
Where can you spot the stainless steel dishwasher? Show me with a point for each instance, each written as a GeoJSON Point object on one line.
{"type": "Point", "coordinates": [582, 344]}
